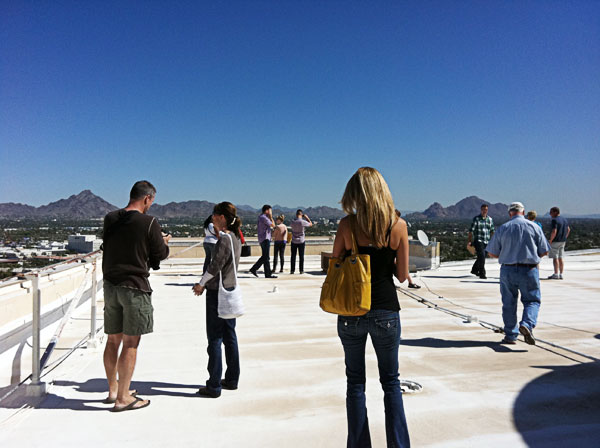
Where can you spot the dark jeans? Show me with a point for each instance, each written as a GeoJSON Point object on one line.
{"type": "Point", "coordinates": [479, 265]}
{"type": "Point", "coordinates": [220, 332]}
{"type": "Point", "coordinates": [279, 250]}
{"type": "Point", "coordinates": [297, 248]}
{"type": "Point", "coordinates": [384, 328]}
{"type": "Point", "coordinates": [208, 250]}
{"type": "Point", "coordinates": [264, 259]}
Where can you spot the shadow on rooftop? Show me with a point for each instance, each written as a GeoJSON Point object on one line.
{"type": "Point", "coordinates": [481, 281]}
{"type": "Point", "coordinates": [561, 407]}
{"type": "Point", "coordinates": [444, 343]}
{"type": "Point", "coordinates": [189, 285]}
{"type": "Point", "coordinates": [445, 276]}
{"type": "Point", "coordinates": [145, 389]}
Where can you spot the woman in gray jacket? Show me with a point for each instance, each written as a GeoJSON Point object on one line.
{"type": "Point", "coordinates": [221, 331]}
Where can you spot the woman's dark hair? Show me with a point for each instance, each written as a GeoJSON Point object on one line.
{"type": "Point", "coordinates": [228, 210]}
{"type": "Point", "coordinates": [207, 221]}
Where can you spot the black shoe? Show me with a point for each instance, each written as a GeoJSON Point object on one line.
{"type": "Point", "coordinates": [508, 341]}
{"type": "Point", "coordinates": [253, 273]}
{"type": "Point", "coordinates": [301, 272]}
{"type": "Point", "coordinates": [270, 276]}
{"type": "Point", "coordinates": [281, 271]}
{"type": "Point", "coordinates": [226, 385]}
{"type": "Point", "coordinates": [474, 272]}
{"type": "Point", "coordinates": [413, 286]}
{"type": "Point", "coordinates": [291, 272]}
{"type": "Point", "coordinates": [483, 277]}
{"type": "Point", "coordinates": [527, 334]}
{"type": "Point", "coordinates": [206, 392]}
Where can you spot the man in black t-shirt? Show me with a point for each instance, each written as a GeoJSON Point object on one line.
{"type": "Point", "coordinates": [133, 243]}
{"type": "Point", "coordinates": [558, 238]}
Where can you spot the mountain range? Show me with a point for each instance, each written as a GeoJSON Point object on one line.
{"type": "Point", "coordinates": [86, 205]}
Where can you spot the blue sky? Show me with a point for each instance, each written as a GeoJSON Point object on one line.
{"type": "Point", "coordinates": [281, 101]}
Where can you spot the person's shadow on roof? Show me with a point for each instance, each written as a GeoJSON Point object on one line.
{"type": "Point", "coordinates": [445, 343]}
{"type": "Point", "coordinates": [143, 388]}
{"type": "Point", "coordinates": [95, 385]}
{"type": "Point", "coordinates": [561, 407]}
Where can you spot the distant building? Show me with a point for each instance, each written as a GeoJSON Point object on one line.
{"type": "Point", "coordinates": [83, 244]}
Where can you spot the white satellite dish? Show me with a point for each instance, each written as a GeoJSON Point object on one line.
{"type": "Point", "coordinates": [423, 238]}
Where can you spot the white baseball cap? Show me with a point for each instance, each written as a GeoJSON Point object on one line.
{"type": "Point", "coordinates": [516, 206]}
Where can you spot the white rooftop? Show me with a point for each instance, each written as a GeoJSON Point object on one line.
{"type": "Point", "coordinates": [476, 392]}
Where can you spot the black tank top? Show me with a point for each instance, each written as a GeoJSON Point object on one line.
{"type": "Point", "coordinates": [383, 290]}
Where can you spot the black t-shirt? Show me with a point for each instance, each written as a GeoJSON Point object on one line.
{"type": "Point", "coordinates": [133, 244]}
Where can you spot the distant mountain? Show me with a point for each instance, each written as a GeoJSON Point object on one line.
{"type": "Point", "coordinates": [83, 205]}
{"type": "Point", "coordinates": [466, 208]}
{"type": "Point", "coordinates": [12, 210]}
{"type": "Point", "coordinates": [188, 209]}
{"type": "Point", "coordinates": [87, 205]}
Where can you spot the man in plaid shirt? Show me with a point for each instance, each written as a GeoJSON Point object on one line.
{"type": "Point", "coordinates": [481, 231]}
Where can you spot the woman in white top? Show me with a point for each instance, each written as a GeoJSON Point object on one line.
{"type": "Point", "coordinates": [210, 239]}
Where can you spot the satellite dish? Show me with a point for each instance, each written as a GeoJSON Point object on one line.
{"type": "Point", "coordinates": [423, 238]}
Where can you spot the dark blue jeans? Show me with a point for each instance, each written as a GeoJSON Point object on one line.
{"type": "Point", "coordinates": [384, 328]}
{"type": "Point", "coordinates": [297, 248]}
{"type": "Point", "coordinates": [279, 252]}
{"type": "Point", "coordinates": [208, 250]}
{"type": "Point", "coordinates": [264, 259]}
{"type": "Point", "coordinates": [479, 265]}
{"type": "Point", "coordinates": [220, 332]}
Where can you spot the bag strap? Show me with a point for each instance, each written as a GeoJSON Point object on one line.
{"type": "Point", "coordinates": [232, 260]}
{"type": "Point", "coordinates": [352, 231]}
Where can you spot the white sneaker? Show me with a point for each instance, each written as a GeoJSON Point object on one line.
{"type": "Point", "coordinates": [554, 277]}
{"type": "Point", "coordinates": [560, 277]}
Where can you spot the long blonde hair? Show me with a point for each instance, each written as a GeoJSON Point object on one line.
{"type": "Point", "coordinates": [368, 196]}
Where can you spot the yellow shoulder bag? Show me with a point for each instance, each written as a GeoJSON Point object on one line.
{"type": "Point", "coordinates": [347, 287]}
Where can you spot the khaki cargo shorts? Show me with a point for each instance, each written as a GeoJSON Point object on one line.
{"type": "Point", "coordinates": [557, 249]}
{"type": "Point", "coordinates": [127, 310]}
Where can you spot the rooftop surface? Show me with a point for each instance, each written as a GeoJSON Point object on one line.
{"type": "Point", "coordinates": [476, 392]}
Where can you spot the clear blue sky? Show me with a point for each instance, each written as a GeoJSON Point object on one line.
{"type": "Point", "coordinates": [281, 101]}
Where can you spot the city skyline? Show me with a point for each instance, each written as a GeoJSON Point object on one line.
{"type": "Point", "coordinates": [263, 102]}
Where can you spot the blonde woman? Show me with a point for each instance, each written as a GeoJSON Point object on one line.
{"type": "Point", "coordinates": [383, 236]}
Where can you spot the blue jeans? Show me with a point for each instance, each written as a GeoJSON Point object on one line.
{"type": "Point", "coordinates": [384, 328]}
{"type": "Point", "coordinates": [297, 248]}
{"type": "Point", "coordinates": [512, 280]}
{"type": "Point", "coordinates": [264, 259]}
{"type": "Point", "coordinates": [220, 332]}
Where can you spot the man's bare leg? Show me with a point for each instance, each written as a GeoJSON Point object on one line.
{"type": "Point", "coordinates": [561, 265]}
{"type": "Point", "coordinates": [111, 356]}
{"type": "Point", "coordinates": [125, 367]}
{"type": "Point", "coordinates": [556, 265]}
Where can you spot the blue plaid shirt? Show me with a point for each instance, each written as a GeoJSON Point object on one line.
{"type": "Point", "coordinates": [482, 228]}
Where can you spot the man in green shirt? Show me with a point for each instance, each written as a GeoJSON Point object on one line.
{"type": "Point", "coordinates": [482, 229]}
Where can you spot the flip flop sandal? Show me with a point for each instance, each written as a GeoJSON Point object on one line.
{"type": "Point", "coordinates": [114, 400]}
{"type": "Point", "coordinates": [131, 406]}
{"type": "Point", "coordinates": [413, 285]}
